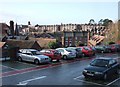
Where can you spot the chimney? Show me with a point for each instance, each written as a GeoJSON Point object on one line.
{"type": "Point", "coordinates": [12, 28]}
{"type": "Point", "coordinates": [16, 30]}
{"type": "Point", "coordinates": [29, 23]}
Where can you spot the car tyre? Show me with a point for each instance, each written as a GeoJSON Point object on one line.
{"type": "Point", "coordinates": [105, 76]}
{"type": "Point", "coordinates": [36, 61]}
{"type": "Point", "coordinates": [65, 57]}
{"type": "Point", "coordinates": [19, 59]}
{"type": "Point", "coordinates": [110, 51]}
{"type": "Point", "coordinates": [118, 71]}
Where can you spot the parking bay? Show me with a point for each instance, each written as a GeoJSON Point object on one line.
{"type": "Point", "coordinates": [92, 81]}
{"type": "Point", "coordinates": [61, 74]}
{"type": "Point", "coordinates": [7, 66]}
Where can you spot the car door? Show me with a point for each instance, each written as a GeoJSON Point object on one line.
{"type": "Point", "coordinates": [113, 66]}
{"type": "Point", "coordinates": [29, 56]}
{"type": "Point", "coordinates": [61, 51]}
{"type": "Point", "coordinates": [48, 53]}
{"type": "Point", "coordinates": [23, 55]}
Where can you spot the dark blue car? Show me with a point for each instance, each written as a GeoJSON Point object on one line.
{"type": "Point", "coordinates": [101, 68]}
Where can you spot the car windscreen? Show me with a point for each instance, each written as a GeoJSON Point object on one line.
{"type": "Point", "coordinates": [79, 49]}
{"type": "Point", "coordinates": [100, 63]}
{"type": "Point", "coordinates": [35, 52]}
{"type": "Point", "coordinates": [56, 52]}
{"type": "Point", "coordinates": [67, 49]}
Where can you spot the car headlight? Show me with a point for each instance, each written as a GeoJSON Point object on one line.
{"type": "Point", "coordinates": [98, 72]}
{"type": "Point", "coordinates": [84, 70]}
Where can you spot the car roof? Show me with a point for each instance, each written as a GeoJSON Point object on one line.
{"type": "Point", "coordinates": [29, 49]}
{"type": "Point", "coordinates": [61, 48]}
{"type": "Point", "coordinates": [105, 58]}
{"type": "Point", "coordinates": [49, 49]}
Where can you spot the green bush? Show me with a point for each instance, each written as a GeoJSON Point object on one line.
{"type": "Point", "coordinates": [53, 45]}
{"type": "Point", "coordinates": [111, 43]}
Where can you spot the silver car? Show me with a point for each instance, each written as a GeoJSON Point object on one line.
{"type": "Point", "coordinates": [67, 53]}
{"type": "Point", "coordinates": [32, 55]}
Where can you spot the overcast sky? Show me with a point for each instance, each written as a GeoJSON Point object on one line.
{"type": "Point", "coordinates": [57, 11]}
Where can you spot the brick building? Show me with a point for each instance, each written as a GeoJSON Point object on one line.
{"type": "Point", "coordinates": [71, 38]}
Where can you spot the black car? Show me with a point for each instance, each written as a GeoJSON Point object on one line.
{"type": "Point", "coordinates": [102, 49]}
{"type": "Point", "coordinates": [101, 68]}
{"type": "Point", "coordinates": [117, 47]}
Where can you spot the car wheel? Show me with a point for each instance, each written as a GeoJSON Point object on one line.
{"type": "Point", "coordinates": [109, 51]}
{"type": "Point", "coordinates": [93, 54]}
{"type": "Point", "coordinates": [36, 61]}
{"type": "Point", "coordinates": [65, 57]}
{"type": "Point", "coordinates": [19, 59]}
{"type": "Point", "coordinates": [117, 71]}
{"type": "Point", "coordinates": [105, 76]}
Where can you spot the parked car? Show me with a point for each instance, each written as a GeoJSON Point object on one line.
{"type": "Point", "coordinates": [77, 50]}
{"type": "Point", "coordinates": [115, 47]}
{"type": "Point", "coordinates": [101, 68]}
{"type": "Point", "coordinates": [67, 53]}
{"type": "Point", "coordinates": [103, 49]}
{"type": "Point", "coordinates": [93, 49]}
{"type": "Point", "coordinates": [32, 55]}
{"type": "Point", "coordinates": [53, 54]}
{"type": "Point", "coordinates": [87, 51]}
{"type": "Point", "coordinates": [112, 48]}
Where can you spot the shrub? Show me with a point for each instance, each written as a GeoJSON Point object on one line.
{"type": "Point", "coordinates": [111, 43]}
{"type": "Point", "coordinates": [53, 45]}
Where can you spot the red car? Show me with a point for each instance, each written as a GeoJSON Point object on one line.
{"type": "Point", "coordinates": [53, 54]}
{"type": "Point", "coordinates": [87, 51]}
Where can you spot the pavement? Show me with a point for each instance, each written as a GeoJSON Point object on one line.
{"type": "Point", "coordinates": [65, 72]}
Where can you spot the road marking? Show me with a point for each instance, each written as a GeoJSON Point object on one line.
{"type": "Point", "coordinates": [27, 63]}
{"type": "Point", "coordinates": [29, 80]}
{"type": "Point", "coordinates": [86, 81]}
{"type": "Point", "coordinates": [9, 67]}
{"type": "Point", "coordinates": [113, 81]}
{"type": "Point", "coordinates": [78, 77]}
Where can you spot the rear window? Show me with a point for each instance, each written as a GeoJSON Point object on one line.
{"type": "Point", "coordinates": [86, 48]}
{"type": "Point", "coordinates": [56, 52]}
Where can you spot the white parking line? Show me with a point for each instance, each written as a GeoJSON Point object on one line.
{"type": "Point", "coordinates": [113, 81]}
{"type": "Point", "coordinates": [9, 67]}
{"type": "Point", "coordinates": [86, 81]}
{"type": "Point", "coordinates": [26, 63]}
{"type": "Point", "coordinates": [77, 78]}
{"type": "Point", "coordinates": [29, 80]}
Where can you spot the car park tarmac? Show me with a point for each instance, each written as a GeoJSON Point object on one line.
{"type": "Point", "coordinates": [65, 72]}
